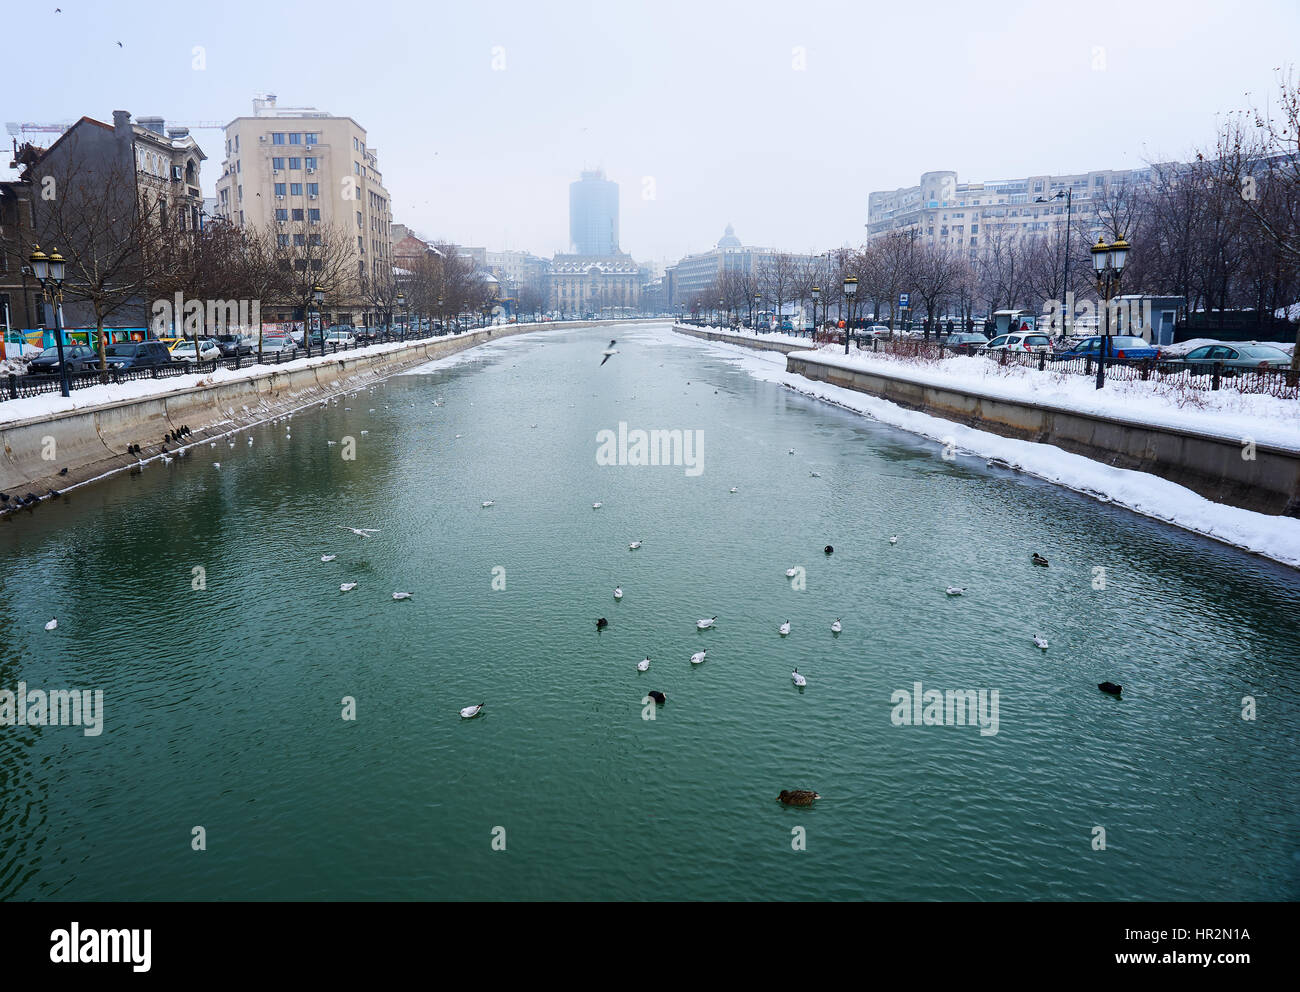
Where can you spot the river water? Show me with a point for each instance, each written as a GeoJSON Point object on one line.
{"type": "Point", "coordinates": [223, 706]}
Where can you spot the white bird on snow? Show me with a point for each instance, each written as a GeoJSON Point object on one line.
{"type": "Point", "coordinates": [359, 531]}
{"type": "Point", "coordinates": [643, 665]}
{"type": "Point", "coordinates": [798, 679]}
{"type": "Point", "coordinates": [698, 657]}
{"type": "Point", "coordinates": [471, 711]}
{"type": "Point", "coordinates": [955, 590]}
{"type": "Point", "coordinates": [347, 587]}
{"type": "Point", "coordinates": [52, 624]}
{"type": "Point", "coordinates": [705, 624]}
{"type": "Point", "coordinates": [784, 628]}
{"type": "Point", "coordinates": [1040, 641]}
{"type": "Point", "coordinates": [328, 557]}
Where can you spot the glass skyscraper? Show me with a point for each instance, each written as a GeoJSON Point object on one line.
{"type": "Point", "coordinates": [593, 214]}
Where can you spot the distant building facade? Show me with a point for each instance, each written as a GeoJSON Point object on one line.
{"type": "Point", "coordinates": [582, 284]}
{"type": "Point", "coordinates": [593, 215]}
{"type": "Point", "coordinates": [694, 275]}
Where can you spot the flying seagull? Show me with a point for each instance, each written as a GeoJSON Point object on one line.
{"type": "Point", "coordinates": [360, 531]}
{"type": "Point", "coordinates": [609, 352]}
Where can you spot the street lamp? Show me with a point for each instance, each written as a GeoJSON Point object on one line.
{"type": "Point", "coordinates": [850, 288]}
{"type": "Point", "coordinates": [816, 295]}
{"type": "Point", "coordinates": [442, 318]}
{"type": "Point", "coordinates": [720, 305]}
{"type": "Point", "coordinates": [753, 321]}
{"type": "Point", "coordinates": [317, 298]}
{"type": "Point", "coordinates": [49, 271]}
{"type": "Point", "coordinates": [1068, 193]}
{"type": "Point", "coordinates": [401, 311]}
{"type": "Point", "coordinates": [1108, 266]}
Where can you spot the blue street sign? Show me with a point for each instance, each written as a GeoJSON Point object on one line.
{"type": "Point", "coordinates": [904, 300]}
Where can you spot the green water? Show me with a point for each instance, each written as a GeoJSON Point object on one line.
{"type": "Point", "coordinates": [223, 706]}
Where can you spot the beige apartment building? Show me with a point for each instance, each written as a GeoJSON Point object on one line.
{"type": "Point", "coordinates": [295, 169]}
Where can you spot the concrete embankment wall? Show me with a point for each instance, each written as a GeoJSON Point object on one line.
{"type": "Point", "coordinates": [747, 341]}
{"type": "Point", "coordinates": [92, 441]}
{"type": "Point", "coordinates": [1213, 467]}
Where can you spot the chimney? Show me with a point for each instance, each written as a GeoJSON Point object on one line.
{"type": "Point", "coordinates": [122, 120]}
{"type": "Point", "coordinates": [176, 133]}
{"type": "Point", "coordinates": [154, 124]}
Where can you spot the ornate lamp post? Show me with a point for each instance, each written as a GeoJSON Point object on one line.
{"type": "Point", "coordinates": [442, 318]}
{"type": "Point", "coordinates": [816, 295]}
{"type": "Point", "coordinates": [1068, 193]}
{"type": "Point", "coordinates": [401, 311]}
{"type": "Point", "coordinates": [49, 271]}
{"type": "Point", "coordinates": [1108, 266]}
{"type": "Point", "coordinates": [754, 319]}
{"type": "Point", "coordinates": [317, 298]}
{"type": "Point", "coordinates": [850, 289]}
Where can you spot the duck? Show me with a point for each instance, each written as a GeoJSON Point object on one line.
{"type": "Point", "coordinates": [602, 623]}
{"type": "Point", "coordinates": [894, 539]}
{"type": "Point", "coordinates": [797, 797]}
{"type": "Point", "coordinates": [798, 679]}
{"type": "Point", "coordinates": [705, 624]}
{"type": "Point", "coordinates": [643, 665]}
{"type": "Point", "coordinates": [1110, 687]}
{"type": "Point", "coordinates": [469, 712]}
{"type": "Point", "coordinates": [401, 595]}
{"type": "Point", "coordinates": [1040, 641]}
{"type": "Point", "coordinates": [618, 592]}
{"type": "Point", "coordinates": [698, 656]}
{"type": "Point", "coordinates": [657, 696]}
{"type": "Point", "coordinates": [955, 590]}
{"type": "Point", "coordinates": [836, 627]}
{"type": "Point", "coordinates": [634, 545]}
{"type": "Point", "coordinates": [829, 550]}
{"type": "Point", "coordinates": [784, 628]}
{"type": "Point", "coordinates": [1038, 559]}
{"type": "Point", "coordinates": [347, 587]}
{"type": "Point", "coordinates": [328, 557]}
{"type": "Point", "coordinates": [52, 624]}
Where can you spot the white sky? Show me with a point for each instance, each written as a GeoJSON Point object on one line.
{"type": "Point", "coordinates": [701, 98]}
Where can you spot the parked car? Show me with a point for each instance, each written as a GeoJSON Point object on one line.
{"type": "Point", "coordinates": [964, 343]}
{"type": "Point", "coordinates": [183, 350]}
{"type": "Point", "coordinates": [276, 342]}
{"type": "Point", "coordinates": [78, 356]}
{"type": "Point", "coordinates": [1232, 359]}
{"type": "Point", "coordinates": [234, 344]}
{"type": "Point", "coordinates": [1020, 341]}
{"type": "Point", "coordinates": [881, 331]}
{"type": "Point", "coordinates": [340, 338]}
{"type": "Point", "coordinates": [1122, 346]}
{"type": "Point", "coordinates": [368, 335]}
{"type": "Point", "coordinates": [137, 355]}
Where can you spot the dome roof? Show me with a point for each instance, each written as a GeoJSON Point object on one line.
{"type": "Point", "coordinates": [729, 239]}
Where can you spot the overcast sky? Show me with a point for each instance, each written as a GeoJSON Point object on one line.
{"type": "Point", "coordinates": [779, 117]}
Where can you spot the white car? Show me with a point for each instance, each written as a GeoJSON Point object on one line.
{"type": "Point", "coordinates": [879, 331]}
{"type": "Point", "coordinates": [209, 350]}
{"type": "Point", "coordinates": [342, 339]}
{"type": "Point", "coordinates": [275, 342]}
{"type": "Point", "coordinates": [1020, 341]}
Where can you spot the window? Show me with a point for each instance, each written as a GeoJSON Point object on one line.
{"type": "Point", "coordinates": [313, 216]}
{"type": "Point", "coordinates": [314, 239]}
{"type": "Point", "coordinates": [297, 213]}
{"type": "Point", "coordinates": [296, 138]}
{"type": "Point", "coordinates": [277, 163]}
{"type": "Point", "coordinates": [282, 240]}
{"type": "Point", "coordinates": [236, 142]}
{"type": "Point", "coordinates": [313, 137]}
{"type": "Point", "coordinates": [279, 189]}
{"type": "Point", "coordinates": [356, 167]}
{"type": "Point", "coordinates": [310, 161]}
{"type": "Point", "coordinates": [361, 244]}
{"type": "Point", "coordinates": [277, 137]}
{"type": "Point", "coordinates": [281, 214]}
{"type": "Point", "coordinates": [313, 189]}
{"type": "Point", "coordinates": [355, 145]}
{"type": "Point", "coordinates": [241, 192]}
{"type": "Point", "coordinates": [359, 224]}
{"type": "Point", "coordinates": [241, 218]}
{"type": "Point", "coordinates": [295, 189]}
{"type": "Point", "coordinates": [299, 240]}
{"type": "Point", "coordinates": [295, 163]}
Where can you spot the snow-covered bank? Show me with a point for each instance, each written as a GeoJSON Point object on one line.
{"type": "Point", "coordinates": [1273, 537]}
{"type": "Point", "coordinates": [1225, 413]}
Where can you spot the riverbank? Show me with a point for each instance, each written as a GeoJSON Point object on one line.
{"type": "Point", "coordinates": [53, 443]}
{"type": "Point", "coordinates": [1272, 536]}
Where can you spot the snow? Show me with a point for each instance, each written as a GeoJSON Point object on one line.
{"type": "Point", "coordinates": [777, 336]}
{"type": "Point", "coordinates": [1263, 534]}
{"type": "Point", "coordinates": [1225, 414]}
{"type": "Point", "coordinates": [1180, 348]}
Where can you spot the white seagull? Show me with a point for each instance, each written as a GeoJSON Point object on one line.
{"type": "Point", "coordinates": [955, 590]}
{"type": "Point", "coordinates": [401, 595]}
{"type": "Point", "coordinates": [836, 627]}
{"type": "Point", "coordinates": [785, 628]}
{"type": "Point", "coordinates": [347, 587]}
{"type": "Point", "coordinates": [698, 657]}
{"type": "Point", "coordinates": [359, 531]}
{"type": "Point", "coordinates": [798, 679]}
{"type": "Point", "coordinates": [705, 624]}
{"type": "Point", "coordinates": [734, 489]}
{"type": "Point", "coordinates": [1040, 641]}
{"type": "Point", "coordinates": [790, 573]}
{"type": "Point", "coordinates": [634, 545]}
{"type": "Point", "coordinates": [328, 557]}
{"type": "Point", "coordinates": [894, 539]}
{"type": "Point", "coordinates": [643, 665]}
{"type": "Point", "coordinates": [471, 711]}
{"type": "Point", "coordinates": [609, 353]}
{"type": "Point", "coordinates": [489, 502]}
{"type": "Point", "coordinates": [52, 624]}
{"type": "Point", "coordinates": [216, 464]}
{"type": "Point", "coordinates": [618, 592]}
{"type": "Point", "coordinates": [597, 506]}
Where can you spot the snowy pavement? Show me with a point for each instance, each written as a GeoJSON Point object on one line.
{"type": "Point", "coordinates": [1271, 536]}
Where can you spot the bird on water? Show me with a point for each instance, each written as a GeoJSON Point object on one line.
{"type": "Point", "coordinates": [797, 797]}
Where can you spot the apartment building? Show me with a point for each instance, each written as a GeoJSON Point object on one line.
{"type": "Point", "coordinates": [694, 275]}
{"type": "Point", "coordinates": [297, 170]}
{"type": "Point", "coordinates": [967, 215]}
